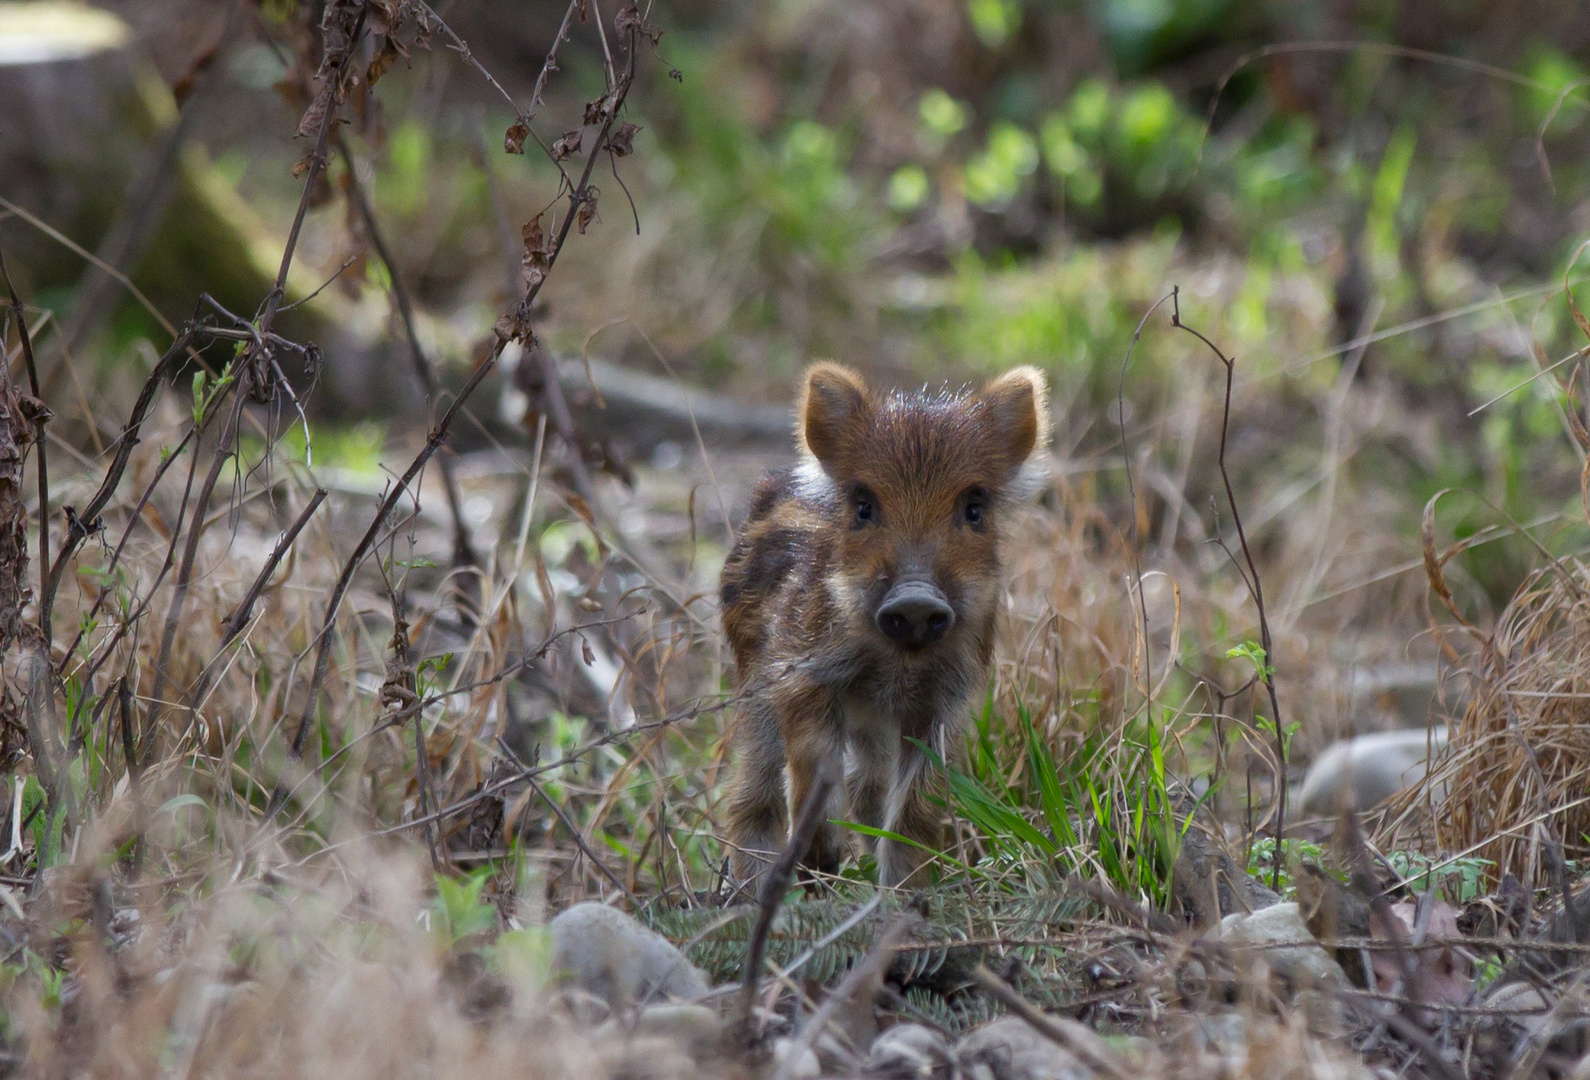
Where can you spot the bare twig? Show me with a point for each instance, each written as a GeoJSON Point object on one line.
{"type": "Point", "coordinates": [536, 96]}
{"type": "Point", "coordinates": [240, 615]}
{"type": "Point", "coordinates": [40, 416]}
{"type": "Point", "coordinates": [517, 325]}
{"type": "Point", "coordinates": [579, 840]}
{"type": "Point", "coordinates": [424, 370]}
{"type": "Point", "coordinates": [852, 987]}
{"type": "Point", "coordinates": [80, 524]}
{"type": "Point", "coordinates": [432, 443]}
{"type": "Point", "coordinates": [1131, 498]}
{"type": "Point", "coordinates": [1266, 666]}
{"type": "Point", "coordinates": [247, 380]}
{"type": "Point", "coordinates": [774, 884]}
{"type": "Point", "coordinates": [133, 519]}
{"type": "Point", "coordinates": [245, 607]}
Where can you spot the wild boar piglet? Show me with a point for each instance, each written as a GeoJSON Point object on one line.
{"type": "Point", "coordinates": [860, 602]}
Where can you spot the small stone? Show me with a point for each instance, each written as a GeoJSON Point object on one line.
{"type": "Point", "coordinates": [604, 952]}
{"type": "Point", "coordinates": [909, 1051]}
{"type": "Point", "coordinates": [1279, 936]}
{"type": "Point", "coordinates": [795, 1061]}
{"type": "Point", "coordinates": [1009, 1049]}
{"type": "Point", "coordinates": [1368, 770]}
{"type": "Point", "coordinates": [1520, 1003]}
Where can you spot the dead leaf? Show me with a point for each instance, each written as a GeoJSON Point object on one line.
{"type": "Point", "coordinates": [382, 16]}
{"type": "Point", "coordinates": [513, 139]}
{"type": "Point", "coordinates": [314, 116]}
{"type": "Point", "coordinates": [382, 63]}
{"type": "Point", "coordinates": [597, 112]}
{"type": "Point", "coordinates": [1440, 974]}
{"type": "Point", "coordinates": [621, 140]}
{"type": "Point", "coordinates": [533, 235]}
{"type": "Point", "coordinates": [586, 653]}
{"type": "Point", "coordinates": [511, 327]}
{"type": "Point", "coordinates": [544, 584]}
{"type": "Point", "coordinates": [587, 211]}
{"type": "Point", "coordinates": [627, 19]}
{"type": "Point", "coordinates": [537, 260]}
{"type": "Point", "coordinates": [567, 145]}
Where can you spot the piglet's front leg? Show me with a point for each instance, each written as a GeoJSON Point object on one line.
{"type": "Point", "coordinates": [758, 823]}
{"type": "Point", "coordinates": [814, 740]}
{"type": "Point", "coordinates": [909, 812]}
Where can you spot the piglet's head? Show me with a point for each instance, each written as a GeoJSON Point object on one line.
{"type": "Point", "coordinates": [919, 487]}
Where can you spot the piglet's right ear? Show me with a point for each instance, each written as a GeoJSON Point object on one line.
{"type": "Point", "coordinates": [832, 410]}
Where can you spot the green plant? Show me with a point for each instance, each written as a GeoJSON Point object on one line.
{"type": "Point", "coordinates": [1106, 809]}
{"type": "Point", "coordinates": [1294, 850]}
{"type": "Point", "coordinates": [458, 913]}
{"type": "Point", "coordinates": [1461, 879]}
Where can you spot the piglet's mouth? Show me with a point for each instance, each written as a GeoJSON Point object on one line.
{"type": "Point", "coordinates": [914, 614]}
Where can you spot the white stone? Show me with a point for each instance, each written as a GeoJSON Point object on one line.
{"type": "Point", "coordinates": [1009, 1049]}
{"type": "Point", "coordinates": [910, 1050]}
{"type": "Point", "coordinates": [1278, 936]}
{"type": "Point", "coordinates": [605, 952]}
{"type": "Point", "coordinates": [1368, 770]}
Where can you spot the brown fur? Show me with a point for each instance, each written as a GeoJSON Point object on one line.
{"type": "Point", "coordinates": [802, 589]}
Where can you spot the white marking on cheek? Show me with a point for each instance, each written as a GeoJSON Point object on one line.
{"type": "Point", "coordinates": [844, 595]}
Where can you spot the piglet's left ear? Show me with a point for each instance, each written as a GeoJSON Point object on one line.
{"type": "Point", "coordinates": [1017, 405]}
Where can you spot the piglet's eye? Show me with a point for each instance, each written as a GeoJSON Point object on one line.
{"type": "Point", "coordinates": [974, 509]}
{"type": "Point", "coordinates": [866, 510]}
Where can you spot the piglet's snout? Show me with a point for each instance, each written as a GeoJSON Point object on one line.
{"type": "Point", "coordinates": [915, 613]}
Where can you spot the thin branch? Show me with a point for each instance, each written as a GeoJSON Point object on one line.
{"type": "Point", "coordinates": [133, 519]}
{"type": "Point", "coordinates": [432, 443]}
{"type": "Point", "coordinates": [245, 609]}
{"type": "Point", "coordinates": [424, 370]}
{"type": "Point", "coordinates": [246, 379]}
{"type": "Point", "coordinates": [853, 985]}
{"type": "Point", "coordinates": [519, 318]}
{"type": "Point", "coordinates": [81, 524]}
{"type": "Point", "coordinates": [38, 437]}
{"type": "Point", "coordinates": [775, 883]}
{"type": "Point", "coordinates": [1131, 498]}
{"type": "Point", "coordinates": [1268, 667]}
{"type": "Point", "coordinates": [579, 840]}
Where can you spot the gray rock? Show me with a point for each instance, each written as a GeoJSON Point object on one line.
{"type": "Point", "coordinates": [1278, 936]}
{"type": "Point", "coordinates": [604, 952]}
{"type": "Point", "coordinates": [1366, 771]}
{"type": "Point", "coordinates": [910, 1050]}
{"type": "Point", "coordinates": [1009, 1049]}
{"type": "Point", "coordinates": [794, 1060]}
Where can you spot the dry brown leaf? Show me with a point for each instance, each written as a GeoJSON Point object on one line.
{"type": "Point", "coordinates": [513, 139]}
{"type": "Point", "coordinates": [621, 141]}
{"type": "Point", "coordinates": [567, 145]}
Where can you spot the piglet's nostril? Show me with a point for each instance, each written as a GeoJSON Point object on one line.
{"type": "Point", "coordinates": [915, 613]}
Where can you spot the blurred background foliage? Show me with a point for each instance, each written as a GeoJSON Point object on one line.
{"type": "Point", "coordinates": [939, 188]}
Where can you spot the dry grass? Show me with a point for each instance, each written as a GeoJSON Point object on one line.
{"type": "Point", "coordinates": [1512, 786]}
{"type": "Point", "coordinates": [314, 972]}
